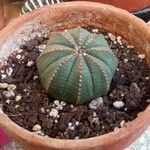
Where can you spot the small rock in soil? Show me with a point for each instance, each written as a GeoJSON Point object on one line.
{"type": "Point", "coordinates": [53, 113]}
{"type": "Point", "coordinates": [18, 98]}
{"type": "Point", "coordinates": [94, 104]}
{"type": "Point", "coordinates": [118, 104]}
{"type": "Point", "coordinates": [36, 127]}
{"type": "Point", "coordinates": [3, 85]}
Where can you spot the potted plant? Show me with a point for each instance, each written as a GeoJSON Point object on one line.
{"type": "Point", "coordinates": [24, 99]}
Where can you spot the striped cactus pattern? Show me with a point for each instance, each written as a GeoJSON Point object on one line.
{"type": "Point", "coordinates": [30, 5]}
{"type": "Point", "coordinates": [77, 66]}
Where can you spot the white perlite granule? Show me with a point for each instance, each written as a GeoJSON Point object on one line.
{"type": "Point", "coordinates": [118, 104]}
{"type": "Point", "coordinates": [30, 63]}
{"type": "Point", "coordinates": [141, 56]}
{"type": "Point", "coordinates": [96, 103]}
{"type": "Point", "coordinates": [3, 85]}
{"type": "Point", "coordinates": [53, 113]}
{"type": "Point", "coordinates": [36, 127]}
{"type": "Point", "coordinates": [18, 98]}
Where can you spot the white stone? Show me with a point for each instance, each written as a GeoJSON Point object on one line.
{"type": "Point", "coordinates": [112, 36]}
{"type": "Point", "coordinates": [71, 106]}
{"type": "Point", "coordinates": [95, 120]}
{"type": "Point", "coordinates": [84, 54]}
{"type": "Point", "coordinates": [35, 77]}
{"type": "Point", "coordinates": [146, 78]}
{"type": "Point", "coordinates": [122, 123]}
{"type": "Point", "coordinates": [18, 56]}
{"type": "Point", "coordinates": [16, 106]}
{"type": "Point", "coordinates": [96, 103]}
{"type": "Point", "coordinates": [118, 104]}
{"type": "Point", "coordinates": [59, 107]}
{"type": "Point", "coordinates": [18, 98]}
{"type": "Point", "coordinates": [70, 124]}
{"type": "Point", "coordinates": [9, 94]}
{"type": "Point", "coordinates": [56, 121]}
{"type": "Point", "coordinates": [114, 42]}
{"type": "Point", "coordinates": [141, 56]}
{"type": "Point", "coordinates": [36, 127]}
{"type": "Point", "coordinates": [94, 114]}
{"type": "Point", "coordinates": [63, 103]}
{"type": "Point", "coordinates": [3, 85]}
{"type": "Point", "coordinates": [95, 30]}
{"type": "Point", "coordinates": [3, 76]}
{"type": "Point", "coordinates": [42, 110]}
{"type": "Point", "coordinates": [30, 63]}
{"type": "Point", "coordinates": [77, 123]}
{"type": "Point", "coordinates": [20, 50]}
{"type": "Point", "coordinates": [118, 38]}
{"type": "Point", "coordinates": [122, 95]}
{"type": "Point", "coordinates": [56, 102]}
{"type": "Point", "coordinates": [11, 87]}
{"type": "Point", "coordinates": [125, 60]}
{"type": "Point", "coordinates": [117, 69]}
{"type": "Point", "coordinates": [116, 129]}
{"type": "Point", "coordinates": [53, 113]}
{"type": "Point", "coordinates": [9, 71]}
{"type": "Point", "coordinates": [8, 101]}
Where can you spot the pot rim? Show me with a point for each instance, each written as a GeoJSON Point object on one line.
{"type": "Point", "coordinates": [105, 139]}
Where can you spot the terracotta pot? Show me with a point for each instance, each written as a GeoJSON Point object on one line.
{"type": "Point", "coordinates": [65, 16]}
{"type": "Point", "coordinates": [130, 5]}
{"type": "Point", "coordinates": [1, 15]}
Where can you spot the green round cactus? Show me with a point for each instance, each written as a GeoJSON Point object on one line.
{"type": "Point", "coordinates": [76, 66]}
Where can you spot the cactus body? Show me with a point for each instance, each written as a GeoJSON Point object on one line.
{"type": "Point", "coordinates": [76, 66]}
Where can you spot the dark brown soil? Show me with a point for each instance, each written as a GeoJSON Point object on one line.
{"type": "Point", "coordinates": [130, 85]}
